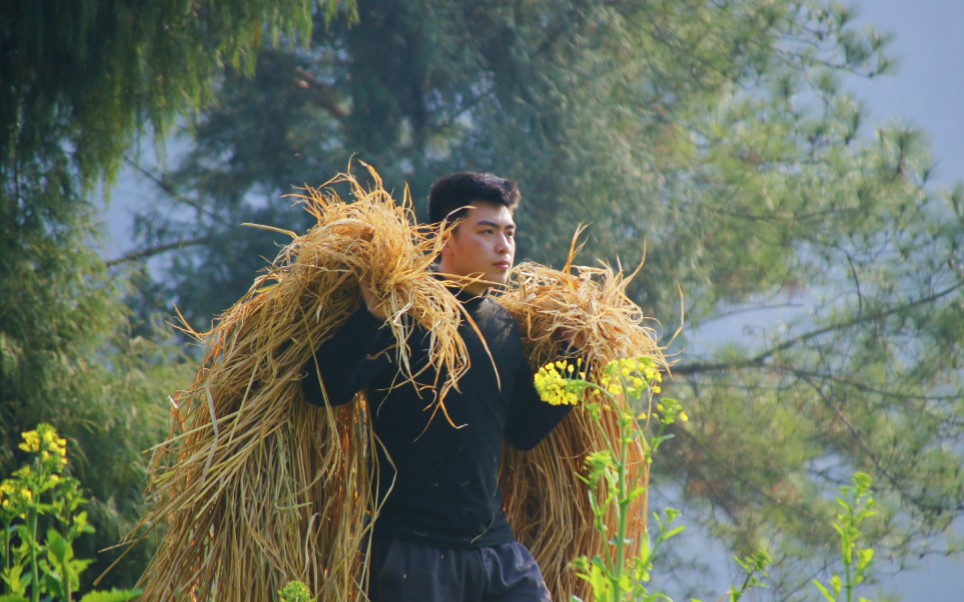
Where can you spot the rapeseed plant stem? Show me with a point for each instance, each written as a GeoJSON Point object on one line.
{"type": "Point", "coordinates": [621, 387]}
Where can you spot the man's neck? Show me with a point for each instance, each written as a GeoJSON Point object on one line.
{"type": "Point", "coordinates": [469, 289]}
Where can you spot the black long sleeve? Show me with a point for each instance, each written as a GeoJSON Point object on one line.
{"type": "Point", "coordinates": [530, 419]}
{"type": "Point", "coordinates": [343, 365]}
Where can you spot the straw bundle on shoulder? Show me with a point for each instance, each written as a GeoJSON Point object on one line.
{"type": "Point", "coordinates": [255, 488]}
{"type": "Point", "coordinates": [545, 501]}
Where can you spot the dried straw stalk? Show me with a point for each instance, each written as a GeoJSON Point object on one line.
{"type": "Point", "coordinates": [255, 488]}
{"type": "Point", "coordinates": [545, 501]}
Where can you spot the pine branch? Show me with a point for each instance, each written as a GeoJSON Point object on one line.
{"type": "Point", "coordinates": [861, 318]}
{"type": "Point", "coordinates": [157, 250]}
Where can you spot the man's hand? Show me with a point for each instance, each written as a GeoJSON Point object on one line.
{"type": "Point", "coordinates": [375, 307]}
{"type": "Point", "coordinates": [576, 340]}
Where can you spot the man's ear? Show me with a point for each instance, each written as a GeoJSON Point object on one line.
{"type": "Point", "coordinates": [447, 247]}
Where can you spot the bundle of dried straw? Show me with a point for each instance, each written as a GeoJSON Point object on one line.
{"type": "Point", "coordinates": [254, 488]}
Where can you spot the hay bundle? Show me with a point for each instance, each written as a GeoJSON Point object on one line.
{"type": "Point", "coordinates": [545, 501]}
{"type": "Point", "coordinates": [254, 488]}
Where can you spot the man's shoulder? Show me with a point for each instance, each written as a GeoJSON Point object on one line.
{"type": "Point", "coordinates": [498, 326]}
{"type": "Point", "coordinates": [493, 308]}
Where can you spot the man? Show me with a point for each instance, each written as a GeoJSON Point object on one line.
{"type": "Point", "coordinates": [441, 534]}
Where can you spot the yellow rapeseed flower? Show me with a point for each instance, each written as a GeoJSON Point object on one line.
{"type": "Point", "coordinates": [31, 441]}
{"type": "Point", "coordinates": [7, 491]}
{"type": "Point", "coordinates": [556, 386]}
{"type": "Point", "coordinates": [632, 377]}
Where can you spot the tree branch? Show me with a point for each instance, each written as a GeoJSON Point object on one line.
{"type": "Point", "coordinates": [759, 359]}
{"type": "Point", "coordinates": [157, 250]}
{"type": "Point", "coordinates": [320, 93]}
{"type": "Point", "coordinates": [174, 194]}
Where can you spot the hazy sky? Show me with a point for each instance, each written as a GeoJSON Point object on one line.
{"type": "Point", "coordinates": [927, 91]}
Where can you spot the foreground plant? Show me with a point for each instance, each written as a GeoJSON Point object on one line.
{"type": "Point", "coordinates": [41, 493]}
{"type": "Point", "coordinates": [628, 387]}
{"type": "Point", "coordinates": [755, 571]}
{"type": "Point", "coordinates": [856, 507]}
{"type": "Point", "coordinates": [295, 591]}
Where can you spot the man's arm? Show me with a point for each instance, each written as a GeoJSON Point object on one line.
{"type": "Point", "coordinates": [342, 366]}
{"type": "Point", "coordinates": [530, 419]}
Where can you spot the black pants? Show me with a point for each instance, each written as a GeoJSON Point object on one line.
{"type": "Point", "coordinates": [409, 572]}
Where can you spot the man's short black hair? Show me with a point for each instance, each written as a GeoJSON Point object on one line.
{"type": "Point", "coordinates": [455, 191]}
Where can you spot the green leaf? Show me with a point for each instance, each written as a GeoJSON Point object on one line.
{"type": "Point", "coordinates": [78, 566]}
{"type": "Point", "coordinates": [665, 535]}
{"type": "Point", "coordinates": [114, 595]}
{"type": "Point", "coordinates": [836, 583]}
{"type": "Point", "coordinates": [862, 481]}
{"type": "Point", "coordinates": [636, 493]}
{"type": "Point", "coordinates": [54, 584]}
{"type": "Point", "coordinates": [824, 591]}
{"type": "Point", "coordinates": [57, 545]}
{"type": "Point", "coordinates": [13, 577]}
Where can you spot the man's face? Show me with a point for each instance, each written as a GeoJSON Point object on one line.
{"type": "Point", "coordinates": [483, 246]}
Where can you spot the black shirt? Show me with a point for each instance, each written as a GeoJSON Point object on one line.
{"type": "Point", "coordinates": [445, 490]}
